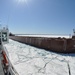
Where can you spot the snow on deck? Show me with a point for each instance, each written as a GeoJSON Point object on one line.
{"type": "Point", "coordinates": [28, 60]}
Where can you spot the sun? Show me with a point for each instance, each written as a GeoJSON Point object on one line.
{"type": "Point", "coordinates": [21, 1]}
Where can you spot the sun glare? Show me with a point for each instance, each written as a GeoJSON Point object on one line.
{"type": "Point", "coordinates": [21, 1]}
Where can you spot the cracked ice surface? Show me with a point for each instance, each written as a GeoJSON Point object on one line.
{"type": "Point", "coordinates": [28, 60]}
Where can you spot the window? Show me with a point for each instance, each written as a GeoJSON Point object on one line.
{"type": "Point", "coordinates": [4, 36]}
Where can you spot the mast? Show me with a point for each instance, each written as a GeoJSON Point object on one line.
{"type": "Point", "coordinates": [73, 32]}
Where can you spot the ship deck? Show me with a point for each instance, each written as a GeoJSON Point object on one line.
{"type": "Point", "coordinates": [1, 69]}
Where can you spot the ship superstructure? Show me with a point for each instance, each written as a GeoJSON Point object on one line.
{"type": "Point", "coordinates": [6, 67]}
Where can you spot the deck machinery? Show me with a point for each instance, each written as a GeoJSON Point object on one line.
{"type": "Point", "coordinates": [6, 67]}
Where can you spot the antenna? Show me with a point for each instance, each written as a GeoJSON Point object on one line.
{"type": "Point", "coordinates": [0, 25]}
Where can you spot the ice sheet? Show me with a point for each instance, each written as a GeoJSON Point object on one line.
{"type": "Point", "coordinates": [48, 36]}
{"type": "Point", "coordinates": [28, 60]}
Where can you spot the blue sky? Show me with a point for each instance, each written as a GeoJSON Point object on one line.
{"type": "Point", "coordinates": [38, 16]}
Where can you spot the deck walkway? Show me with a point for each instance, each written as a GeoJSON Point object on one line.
{"type": "Point", "coordinates": [1, 69]}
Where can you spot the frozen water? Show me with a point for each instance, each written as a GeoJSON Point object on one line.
{"type": "Point", "coordinates": [28, 60]}
{"type": "Point", "coordinates": [47, 36]}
